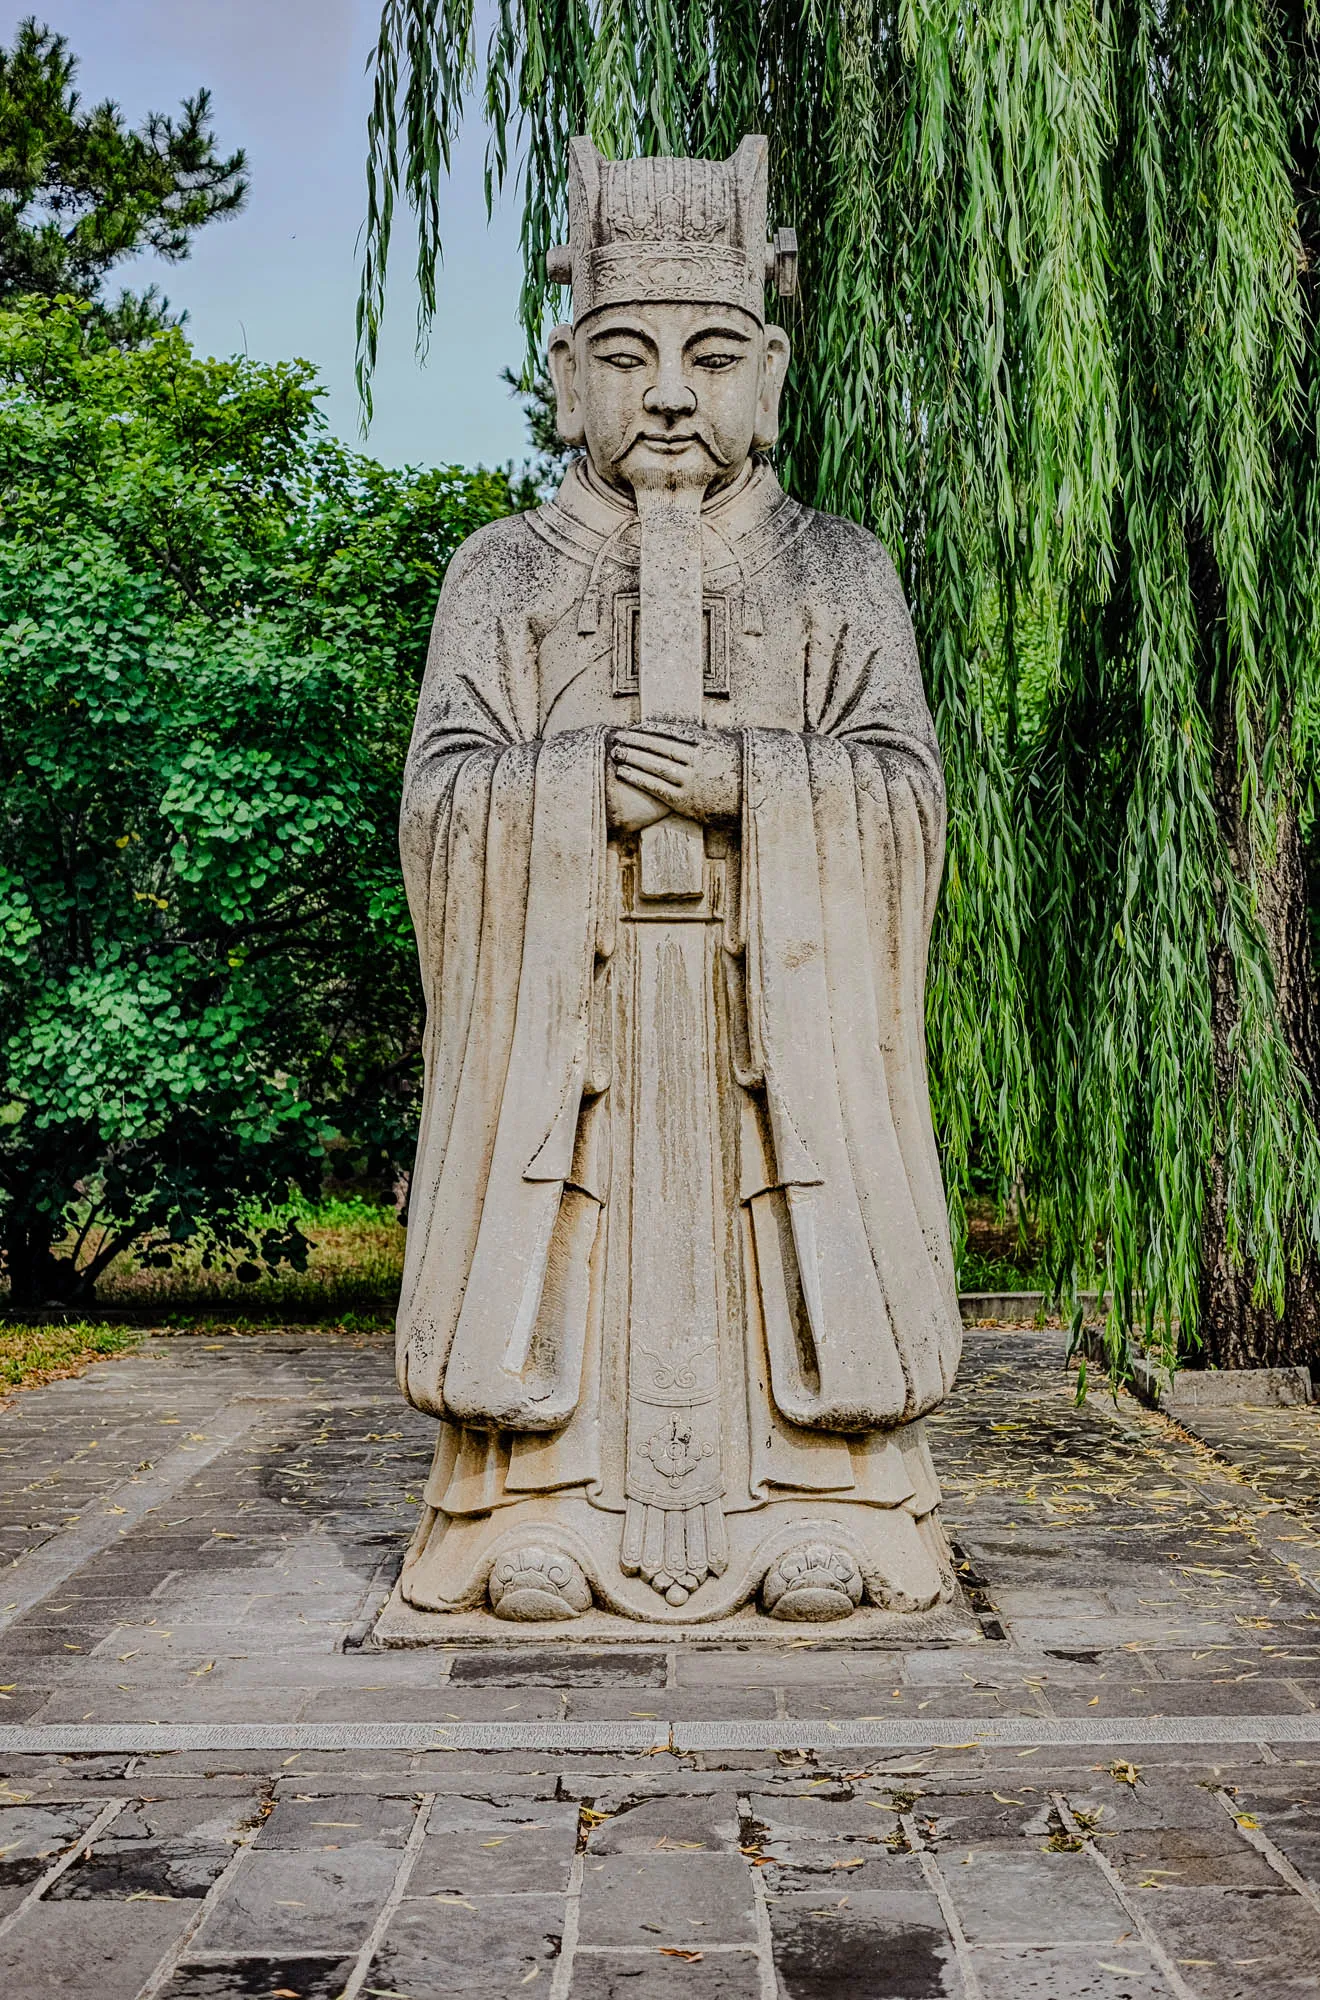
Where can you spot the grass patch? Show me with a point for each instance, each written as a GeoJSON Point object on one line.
{"type": "Point", "coordinates": [352, 1276]}
{"type": "Point", "coordinates": [31, 1355]}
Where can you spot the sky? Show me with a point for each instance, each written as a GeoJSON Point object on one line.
{"type": "Point", "coordinates": [279, 280]}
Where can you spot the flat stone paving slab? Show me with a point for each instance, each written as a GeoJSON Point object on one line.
{"type": "Point", "coordinates": [1101, 1782]}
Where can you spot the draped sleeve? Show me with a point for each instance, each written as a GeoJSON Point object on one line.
{"type": "Point", "coordinates": [502, 843]}
{"type": "Point", "coordinates": [843, 836]}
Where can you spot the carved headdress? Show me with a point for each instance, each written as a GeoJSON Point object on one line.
{"type": "Point", "coordinates": [670, 229]}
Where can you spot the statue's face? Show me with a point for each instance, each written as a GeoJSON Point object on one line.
{"type": "Point", "coordinates": [686, 390]}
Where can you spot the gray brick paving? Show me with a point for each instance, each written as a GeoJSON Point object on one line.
{"type": "Point", "coordinates": [1117, 1800]}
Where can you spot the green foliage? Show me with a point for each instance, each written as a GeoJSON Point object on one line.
{"type": "Point", "coordinates": [535, 391]}
{"type": "Point", "coordinates": [212, 624]}
{"type": "Point", "coordinates": [80, 190]}
{"type": "Point", "coordinates": [1057, 346]}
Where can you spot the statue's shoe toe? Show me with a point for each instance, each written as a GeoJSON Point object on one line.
{"type": "Point", "coordinates": [534, 1583]}
{"type": "Point", "coordinates": [812, 1583]}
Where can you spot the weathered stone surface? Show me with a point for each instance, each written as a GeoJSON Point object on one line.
{"type": "Point", "coordinates": [866, 1947]}
{"type": "Point", "coordinates": [674, 1900]}
{"type": "Point", "coordinates": [1179, 1858]}
{"type": "Point", "coordinates": [1238, 1944]}
{"type": "Point", "coordinates": [626, 1975]}
{"type": "Point", "coordinates": [330, 1821]}
{"type": "Point", "coordinates": [101, 1950]}
{"type": "Point", "coordinates": [485, 1950]}
{"type": "Point", "coordinates": [844, 1868]}
{"type": "Point", "coordinates": [1302, 1849]}
{"type": "Point", "coordinates": [1122, 1972]}
{"type": "Point", "coordinates": [494, 1814]}
{"type": "Point", "coordinates": [819, 1818]}
{"type": "Point", "coordinates": [30, 1836]}
{"type": "Point", "coordinates": [676, 1704]}
{"type": "Point", "coordinates": [706, 1292]}
{"type": "Point", "coordinates": [258, 1977]}
{"type": "Point", "coordinates": [1013, 1893]}
{"type": "Point", "coordinates": [155, 1848]}
{"type": "Point", "coordinates": [515, 1861]}
{"type": "Point", "coordinates": [1159, 1800]}
{"type": "Point", "coordinates": [858, 1700]}
{"type": "Point", "coordinates": [969, 1818]}
{"type": "Point", "coordinates": [121, 1870]}
{"type": "Point", "coordinates": [581, 1668]}
{"type": "Point", "coordinates": [440, 1705]}
{"type": "Point", "coordinates": [709, 1823]}
{"type": "Point", "coordinates": [301, 1901]}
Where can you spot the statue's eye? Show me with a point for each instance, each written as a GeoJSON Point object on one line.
{"type": "Point", "coordinates": [622, 360]}
{"type": "Point", "coordinates": [716, 361]}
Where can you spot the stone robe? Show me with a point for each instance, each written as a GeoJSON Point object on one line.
{"type": "Point", "coordinates": [678, 1282]}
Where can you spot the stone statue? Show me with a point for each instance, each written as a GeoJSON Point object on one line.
{"type": "Point", "coordinates": [678, 1281]}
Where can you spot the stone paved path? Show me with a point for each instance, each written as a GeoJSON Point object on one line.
{"type": "Point", "coordinates": [1113, 1795]}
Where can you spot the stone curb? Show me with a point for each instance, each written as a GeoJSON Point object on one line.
{"type": "Point", "coordinates": [1186, 1390]}
{"type": "Point", "coordinates": [1000, 1308]}
{"type": "Point", "coordinates": [1219, 1388]}
{"type": "Point", "coordinates": [647, 1738]}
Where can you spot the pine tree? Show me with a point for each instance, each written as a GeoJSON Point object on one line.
{"type": "Point", "coordinates": [80, 191]}
{"type": "Point", "coordinates": [1057, 345]}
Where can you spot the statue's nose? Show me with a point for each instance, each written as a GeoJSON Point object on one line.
{"type": "Point", "coordinates": [670, 395]}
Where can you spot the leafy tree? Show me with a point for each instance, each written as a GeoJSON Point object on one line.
{"type": "Point", "coordinates": [534, 390]}
{"type": "Point", "coordinates": [1057, 345]}
{"type": "Point", "coordinates": [80, 191]}
{"type": "Point", "coordinates": [212, 622]}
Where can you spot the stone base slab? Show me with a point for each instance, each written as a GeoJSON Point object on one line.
{"type": "Point", "coordinates": [401, 1624]}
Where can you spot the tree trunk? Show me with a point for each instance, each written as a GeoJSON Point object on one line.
{"type": "Point", "coordinates": [36, 1276]}
{"type": "Point", "coordinates": [1237, 1331]}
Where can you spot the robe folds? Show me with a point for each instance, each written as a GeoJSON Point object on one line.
{"type": "Point", "coordinates": [826, 1183]}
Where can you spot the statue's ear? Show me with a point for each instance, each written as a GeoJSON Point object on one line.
{"type": "Point", "coordinates": [562, 355]}
{"type": "Point", "coordinates": [774, 367]}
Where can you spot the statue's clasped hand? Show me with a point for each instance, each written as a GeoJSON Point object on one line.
{"type": "Point", "coordinates": [676, 767]}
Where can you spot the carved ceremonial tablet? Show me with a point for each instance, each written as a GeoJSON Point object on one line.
{"type": "Point", "coordinates": [678, 1286]}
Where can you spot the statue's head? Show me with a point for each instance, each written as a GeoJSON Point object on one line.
{"type": "Point", "coordinates": [669, 370]}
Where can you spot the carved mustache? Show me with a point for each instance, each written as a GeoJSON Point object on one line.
{"type": "Point", "coordinates": [684, 427]}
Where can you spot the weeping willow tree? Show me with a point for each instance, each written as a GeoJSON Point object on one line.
{"type": "Point", "coordinates": [1056, 345]}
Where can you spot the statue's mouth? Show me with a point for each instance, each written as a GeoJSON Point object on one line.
{"type": "Point", "coordinates": [671, 441]}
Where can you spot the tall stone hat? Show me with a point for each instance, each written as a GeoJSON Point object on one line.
{"type": "Point", "coordinates": [671, 229]}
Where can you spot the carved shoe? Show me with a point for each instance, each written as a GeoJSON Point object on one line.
{"type": "Point", "coordinates": [812, 1582]}
{"type": "Point", "coordinates": [535, 1583]}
